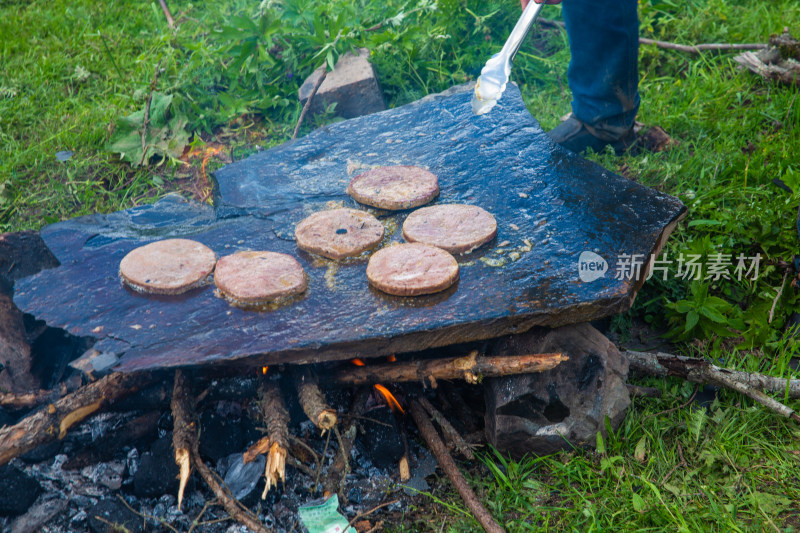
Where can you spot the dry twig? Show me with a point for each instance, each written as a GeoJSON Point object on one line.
{"type": "Point", "coordinates": [276, 416]}
{"type": "Point", "coordinates": [701, 371]}
{"type": "Point", "coordinates": [310, 98]}
{"type": "Point", "coordinates": [688, 48]}
{"type": "Point", "coordinates": [167, 14]}
{"type": "Point", "coordinates": [450, 433]}
{"type": "Point", "coordinates": [184, 431]}
{"type": "Point", "coordinates": [312, 400]}
{"type": "Point", "coordinates": [439, 450]}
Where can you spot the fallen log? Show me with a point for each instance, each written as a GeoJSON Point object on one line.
{"type": "Point", "coordinates": [439, 451]}
{"type": "Point", "coordinates": [54, 420]}
{"type": "Point", "coordinates": [697, 370]}
{"type": "Point", "coordinates": [471, 368]}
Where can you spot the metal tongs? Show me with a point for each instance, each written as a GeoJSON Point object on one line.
{"type": "Point", "coordinates": [494, 76]}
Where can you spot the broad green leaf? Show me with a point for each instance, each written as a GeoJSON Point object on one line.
{"type": "Point", "coordinates": [691, 320]}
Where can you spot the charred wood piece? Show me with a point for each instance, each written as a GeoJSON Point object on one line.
{"type": "Point", "coordinates": [312, 400]}
{"type": "Point", "coordinates": [276, 416]}
{"type": "Point", "coordinates": [54, 420]}
{"type": "Point", "coordinates": [184, 432]}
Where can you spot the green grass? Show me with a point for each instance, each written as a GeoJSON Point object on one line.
{"type": "Point", "coordinates": [69, 70]}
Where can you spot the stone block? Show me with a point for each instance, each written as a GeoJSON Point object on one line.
{"type": "Point", "coordinates": [564, 407]}
{"type": "Point", "coordinates": [352, 85]}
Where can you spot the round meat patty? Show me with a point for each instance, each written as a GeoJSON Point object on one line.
{"type": "Point", "coordinates": [412, 269]}
{"type": "Point", "coordinates": [259, 277]}
{"type": "Point", "coordinates": [338, 233]}
{"type": "Point", "coordinates": [171, 266]}
{"type": "Point", "coordinates": [457, 228]}
{"type": "Point", "coordinates": [394, 188]}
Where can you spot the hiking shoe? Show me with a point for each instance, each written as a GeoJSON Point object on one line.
{"type": "Point", "coordinates": [577, 136]}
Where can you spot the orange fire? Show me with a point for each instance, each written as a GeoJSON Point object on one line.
{"type": "Point", "coordinates": [264, 370]}
{"type": "Point", "coordinates": [357, 362]}
{"type": "Point", "coordinates": [392, 359]}
{"type": "Point", "coordinates": [394, 405]}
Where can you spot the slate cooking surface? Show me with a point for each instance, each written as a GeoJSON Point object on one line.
{"type": "Point", "coordinates": [550, 206]}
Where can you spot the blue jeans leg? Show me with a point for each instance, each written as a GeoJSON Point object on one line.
{"type": "Point", "coordinates": [603, 71]}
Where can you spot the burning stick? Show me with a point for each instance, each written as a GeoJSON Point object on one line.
{"type": "Point", "coordinates": [184, 434]}
{"type": "Point", "coordinates": [312, 400]}
{"type": "Point", "coordinates": [55, 420]}
{"type": "Point", "coordinates": [436, 445]}
{"type": "Point", "coordinates": [449, 432]}
{"type": "Point", "coordinates": [276, 416]}
{"type": "Point", "coordinates": [469, 368]}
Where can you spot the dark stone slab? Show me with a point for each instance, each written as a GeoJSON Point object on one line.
{"type": "Point", "coordinates": [540, 194]}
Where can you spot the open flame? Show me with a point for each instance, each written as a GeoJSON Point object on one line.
{"type": "Point", "coordinates": [394, 405]}
{"type": "Point", "coordinates": [392, 358]}
{"type": "Point", "coordinates": [264, 370]}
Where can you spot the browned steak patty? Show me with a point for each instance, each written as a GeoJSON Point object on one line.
{"type": "Point", "coordinates": [259, 277]}
{"type": "Point", "coordinates": [171, 266]}
{"type": "Point", "coordinates": [457, 228]}
{"type": "Point", "coordinates": [400, 187]}
{"type": "Point", "coordinates": [338, 233]}
{"type": "Point", "coordinates": [412, 269]}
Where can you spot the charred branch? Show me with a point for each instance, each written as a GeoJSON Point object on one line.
{"type": "Point", "coordinates": [470, 368]}
{"type": "Point", "coordinates": [184, 432]}
{"type": "Point", "coordinates": [312, 400]}
{"type": "Point", "coordinates": [337, 472]}
{"type": "Point", "coordinates": [54, 420]}
{"type": "Point", "coordinates": [276, 417]}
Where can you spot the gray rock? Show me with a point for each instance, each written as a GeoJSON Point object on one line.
{"type": "Point", "coordinates": [564, 407]}
{"type": "Point", "coordinates": [352, 85]}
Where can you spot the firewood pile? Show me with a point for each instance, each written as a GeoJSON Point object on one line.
{"type": "Point", "coordinates": [194, 450]}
